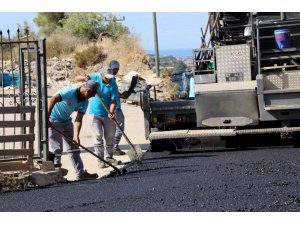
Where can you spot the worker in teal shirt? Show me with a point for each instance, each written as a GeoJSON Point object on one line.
{"type": "Point", "coordinates": [60, 108]}
{"type": "Point", "coordinates": [103, 127]}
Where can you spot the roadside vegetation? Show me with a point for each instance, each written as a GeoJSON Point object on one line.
{"type": "Point", "coordinates": [66, 31]}
{"type": "Point", "coordinates": [90, 40]}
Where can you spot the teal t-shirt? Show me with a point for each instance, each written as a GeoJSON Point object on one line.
{"type": "Point", "coordinates": [108, 92]}
{"type": "Point", "coordinates": [118, 100]}
{"type": "Point", "coordinates": [97, 77]}
{"type": "Point", "coordinates": [62, 110]}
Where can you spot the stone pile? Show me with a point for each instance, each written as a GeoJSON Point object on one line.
{"type": "Point", "coordinates": [57, 69]}
{"type": "Point", "coordinates": [43, 174]}
{"type": "Point", "coordinates": [61, 72]}
{"type": "Point", "coordinates": [13, 181]}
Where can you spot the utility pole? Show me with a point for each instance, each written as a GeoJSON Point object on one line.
{"type": "Point", "coordinates": [156, 45]}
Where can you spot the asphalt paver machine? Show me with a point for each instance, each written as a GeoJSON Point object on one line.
{"type": "Point", "coordinates": [247, 83]}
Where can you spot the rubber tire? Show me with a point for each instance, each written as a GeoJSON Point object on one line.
{"type": "Point", "coordinates": [161, 145]}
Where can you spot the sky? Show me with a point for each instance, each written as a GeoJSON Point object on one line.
{"type": "Point", "coordinates": [176, 30]}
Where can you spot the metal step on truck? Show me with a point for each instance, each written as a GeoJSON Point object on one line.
{"type": "Point", "coordinates": [246, 87]}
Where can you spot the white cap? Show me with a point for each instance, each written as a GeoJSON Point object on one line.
{"type": "Point", "coordinates": [109, 76]}
{"type": "Point", "coordinates": [105, 70]}
{"type": "Point", "coordinates": [114, 64]}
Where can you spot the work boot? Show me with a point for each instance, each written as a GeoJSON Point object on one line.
{"type": "Point", "coordinates": [118, 151]}
{"type": "Point", "coordinates": [113, 161]}
{"type": "Point", "coordinates": [87, 176]}
{"type": "Point", "coordinates": [102, 165]}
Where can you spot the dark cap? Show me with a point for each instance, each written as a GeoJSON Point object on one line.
{"type": "Point", "coordinates": [92, 85]}
{"type": "Point", "coordinates": [114, 64]}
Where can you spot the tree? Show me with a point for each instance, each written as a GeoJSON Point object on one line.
{"type": "Point", "coordinates": [24, 30]}
{"type": "Point", "coordinates": [93, 25]}
{"type": "Point", "coordinates": [179, 66]}
{"type": "Point", "coordinates": [83, 25]}
{"type": "Point", "coordinates": [48, 22]}
{"type": "Point", "coordinates": [113, 29]}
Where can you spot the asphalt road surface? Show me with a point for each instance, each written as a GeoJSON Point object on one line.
{"type": "Point", "coordinates": [249, 180]}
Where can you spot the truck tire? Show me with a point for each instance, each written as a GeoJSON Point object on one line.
{"type": "Point", "coordinates": [161, 145]}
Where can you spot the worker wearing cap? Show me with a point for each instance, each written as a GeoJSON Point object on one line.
{"type": "Point", "coordinates": [60, 108]}
{"type": "Point", "coordinates": [113, 68]}
{"type": "Point", "coordinates": [103, 127]}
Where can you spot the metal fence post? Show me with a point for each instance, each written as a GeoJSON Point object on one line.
{"type": "Point", "coordinates": [44, 94]}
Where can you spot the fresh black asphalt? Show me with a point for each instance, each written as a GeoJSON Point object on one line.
{"type": "Point", "coordinates": [248, 180]}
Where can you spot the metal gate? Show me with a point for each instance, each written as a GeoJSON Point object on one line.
{"type": "Point", "coordinates": [23, 88]}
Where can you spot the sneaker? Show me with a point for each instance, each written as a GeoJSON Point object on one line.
{"type": "Point", "coordinates": [102, 165]}
{"type": "Point", "coordinates": [113, 161]}
{"type": "Point", "coordinates": [87, 176]}
{"type": "Point", "coordinates": [118, 152]}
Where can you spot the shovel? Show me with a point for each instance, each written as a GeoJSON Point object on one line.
{"type": "Point", "coordinates": [119, 171]}
{"type": "Point", "coordinates": [135, 153]}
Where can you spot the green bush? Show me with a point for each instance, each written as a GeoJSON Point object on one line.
{"type": "Point", "coordinates": [179, 66]}
{"type": "Point", "coordinates": [90, 56]}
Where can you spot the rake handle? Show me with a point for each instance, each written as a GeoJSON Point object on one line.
{"type": "Point", "coordinates": [115, 121]}
{"type": "Point", "coordinates": [71, 139]}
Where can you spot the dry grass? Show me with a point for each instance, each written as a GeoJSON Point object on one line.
{"type": "Point", "coordinates": [127, 50]}
{"type": "Point", "coordinates": [9, 51]}
{"type": "Point", "coordinates": [90, 55]}
{"type": "Point", "coordinates": [171, 87]}
{"type": "Point", "coordinates": [59, 44]}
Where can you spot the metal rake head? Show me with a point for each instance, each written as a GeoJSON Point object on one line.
{"type": "Point", "coordinates": [135, 154]}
